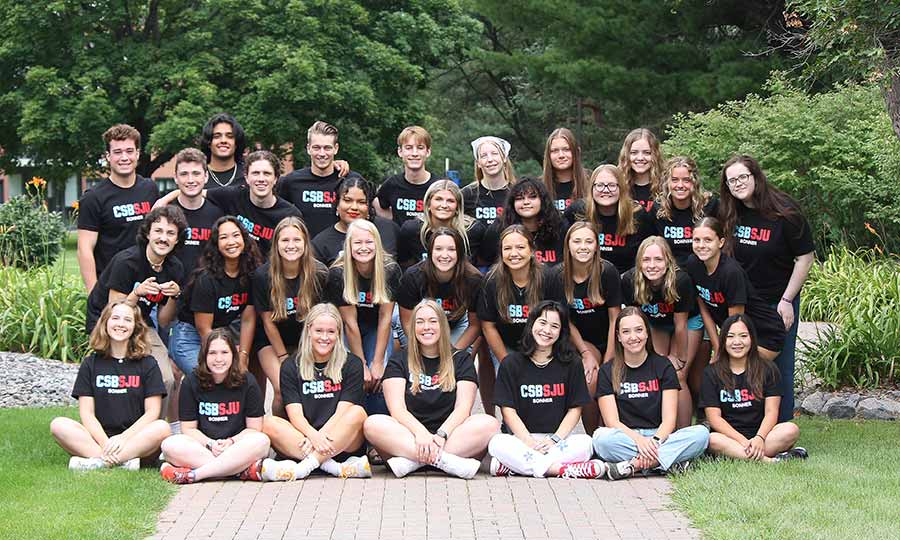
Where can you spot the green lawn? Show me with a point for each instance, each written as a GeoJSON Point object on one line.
{"type": "Point", "coordinates": [68, 259]}
{"type": "Point", "coordinates": [43, 499]}
{"type": "Point", "coordinates": [848, 488]}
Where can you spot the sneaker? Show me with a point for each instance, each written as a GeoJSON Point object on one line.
{"type": "Point", "coordinates": [132, 464]}
{"type": "Point", "coordinates": [252, 472]}
{"type": "Point", "coordinates": [584, 469]}
{"type": "Point", "coordinates": [85, 464]}
{"type": "Point", "coordinates": [620, 470]}
{"type": "Point", "coordinates": [679, 468]}
{"type": "Point", "coordinates": [457, 466]}
{"type": "Point", "coordinates": [374, 458]}
{"type": "Point", "coordinates": [277, 471]}
{"type": "Point", "coordinates": [402, 466]}
{"type": "Point", "coordinates": [356, 467]}
{"type": "Point", "coordinates": [176, 475]}
{"type": "Point", "coordinates": [499, 469]}
{"type": "Point", "coordinates": [797, 452]}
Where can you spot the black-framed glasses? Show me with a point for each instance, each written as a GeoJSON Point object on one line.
{"type": "Point", "coordinates": [741, 179]}
{"type": "Point", "coordinates": [600, 187]}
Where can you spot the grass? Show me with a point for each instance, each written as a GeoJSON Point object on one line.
{"type": "Point", "coordinates": [848, 487]}
{"type": "Point", "coordinates": [67, 262]}
{"type": "Point", "coordinates": [43, 499]}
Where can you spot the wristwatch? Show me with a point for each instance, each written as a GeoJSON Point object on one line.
{"type": "Point", "coordinates": [441, 433]}
{"type": "Point", "coordinates": [554, 437]}
{"type": "Point", "coordinates": [656, 439]}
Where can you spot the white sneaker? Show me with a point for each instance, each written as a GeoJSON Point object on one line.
{"type": "Point", "coordinates": [277, 471]}
{"type": "Point", "coordinates": [85, 464]}
{"type": "Point", "coordinates": [499, 469]}
{"type": "Point", "coordinates": [458, 466]}
{"type": "Point", "coordinates": [402, 466]}
{"type": "Point", "coordinates": [132, 464]}
{"type": "Point", "coordinates": [356, 467]}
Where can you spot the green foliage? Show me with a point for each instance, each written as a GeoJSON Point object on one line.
{"type": "Point", "coordinates": [72, 69]}
{"type": "Point", "coordinates": [859, 292]}
{"type": "Point", "coordinates": [835, 152]}
{"type": "Point", "coordinates": [42, 499]}
{"type": "Point", "coordinates": [42, 312]}
{"type": "Point", "coordinates": [30, 235]}
{"type": "Point", "coordinates": [841, 490]}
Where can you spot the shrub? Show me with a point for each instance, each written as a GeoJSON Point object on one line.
{"type": "Point", "coordinates": [42, 312]}
{"type": "Point", "coordinates": [835, 152]}
{"type": "Point", "coordinates": [859, 292]}
{"type": "Point", "coordinates": [30, 235]}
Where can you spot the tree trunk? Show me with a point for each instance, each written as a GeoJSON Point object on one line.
{"type": "Point", "coordinates": [891, 90]}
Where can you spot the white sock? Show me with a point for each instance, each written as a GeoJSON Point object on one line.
{"type": "Point", "coordinates": [273, 471]}
{"type": "Point", "coordinates": [306, 467]}
{"type": "Point", "coordinates": [402, 466]}
{"type": "Point", "coordinates": [331, 466]}
{"type": "Point", "coordinates": [458, 466]}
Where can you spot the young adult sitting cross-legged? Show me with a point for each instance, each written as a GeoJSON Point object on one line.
{"type": "Point", "coordinates": [540, 392]}
{"type": "Point", "coordinates": [430, 390]}
{"type": "Point", "coordinates": [322, 391]}
{"type": "Point", "coordinates": [221, 410]}
{"type": "Point", "coordinates": [638, 395]}
{"type": "Point", "coordinates": [119, 391]}
{"type": "Point", "coordinates": [741, 395]}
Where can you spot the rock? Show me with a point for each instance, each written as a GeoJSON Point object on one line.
{"type": "Point", "coordinates": [814, 403]}
{"type": "Point", "coordinates": [841, 406]}
{"type": "Point", "coordinates": [879, 409]}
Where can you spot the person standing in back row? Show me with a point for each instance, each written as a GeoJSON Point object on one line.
{"type": "Point", "coordinates": [402, 196]}
{"type": "Point", "coordinates": [190, 177]}
{"type": "Point", "coordinates": [111, 212]}
{"type": "Point", "coordinates": [222, 140]}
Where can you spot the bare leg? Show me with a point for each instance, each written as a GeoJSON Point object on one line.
{"type": "Point", "coordinates": [271, 367]}
{"type": "Point", "coordinates": [249, 446]}
{"type": "Point", "coordinates": [698, 364]}
{"type": "Point", "coordinates": [590, 412]}
{"type": "Point", "coordinates": [74, 438]}
{"type": "Point", "coordinates": [470, 439]}
{"type": "Point", "coordinates": [145, 442]}
{"type": "Point", "coordinates": [726, 446]}
{"type": "Point", "coordinates": [390, 437]}
{"type": "Point", "coordinates": [783, 437]}
{"type": "Point", "coordinates": [172, 413]}
{"type": "Point", "coordinates": [486, 378]}
{"type": "Point", "coordinates": [346, 433]}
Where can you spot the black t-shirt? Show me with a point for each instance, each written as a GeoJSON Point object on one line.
{"type": "Point", "coordinates": [406, 200]}
{"type": "Point", "coordinates": [639, 398]}
{"type": "Point", "coordinates": [366, 310]}
{"type": "Point", "coordinates": [740, 408]}
{"type": "Point", "coordinates": [259, 222]}
{"type": "Point", "coordinates": [315, 196]}
{"type": "Point", "coordinates": [483, 204]}
{"type": "Point", "coordinates": [730, 286]}
{"type": "Point", "coordinates": [411, 250]}
{"type": "Point", "coordinates": [766, 248]}
{"type": "Point", "coordinates": [563, 192]}
{"type": "Point", "coordinates": [541, 396]}
{"type": "Point", "coordinates": [329, 244]}
{"type": "Point", "coordinates": [224, 297]}
{"type": "Point", "coordinates": [641, 195]}
{"type": "Point", "coordinates": [128, 269]}
{"type": "Point", "coordinates": [220, 412]}
{"type": "Point", "coordinates": [319, 397]}
{"type": "Point", "coordinates": [615, 248]}
{"type": "Point", "coordinates": [511, 331]}
{"type": "Point", "coordinates": [115, 214]}
{"type": "Point", "coordinates": [658, 310]}
{"type": "Point", "coordinates": [226, 178]}
{"type": "Point", "coordinates": [413, 288]}
{"type": "Point", "coordinates": [431, 406]}
{"type": "Point", "coordinates": [119, 388]}
{"type": "Point", "coordinates": [200, 222]}
{"type": "Point", "coordinates": [592, 320]}
{"type": "Point", "coordinates": [290, 328]}
{"type": "Point", "coordinates": [678, 231]}
{"type": "Point", "coordinates": [546, 250]}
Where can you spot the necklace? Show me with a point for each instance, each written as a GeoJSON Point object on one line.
{"type": "Point", "coordinates": [156, 267]}
{"type": "Point", "coordinates": [542, 364]}
{"type": "Point", "coordinates": [230, 180]}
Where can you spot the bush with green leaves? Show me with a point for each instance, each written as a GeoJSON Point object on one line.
{"type": "Point", "coordinates": [42, 311]}
{"type": "Point", "coordinates": [858, 291]}
{"type": "Point", "coordinates": [834, 151]}
{"type": "Point", "coordinates": [30, 235]}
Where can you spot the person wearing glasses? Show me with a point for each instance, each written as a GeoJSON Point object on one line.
{"type": "Point", "coordinates": [772, 241]}
{"type": "Point", "coordinates": [622, 224]}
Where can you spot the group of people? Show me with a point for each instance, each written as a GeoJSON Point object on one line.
{"type": "Point", "coordinates": [627, 298]}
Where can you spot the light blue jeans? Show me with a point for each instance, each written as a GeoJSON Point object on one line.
{"type": "Point", "coordinates": [613, 445]}
{"type": "Point", "coordinates": [184, 346]}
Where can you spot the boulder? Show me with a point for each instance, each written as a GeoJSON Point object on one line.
{"type": "Point", "coordinates": [879, 409]}
{"type": "Point", "coordinates": [841, 406]}
{"type": "Point", "coordinates": [814, 403]}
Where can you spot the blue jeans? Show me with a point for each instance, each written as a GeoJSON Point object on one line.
{"type": "Point", "coordinates": [184, 346]}
{"type": "Point", "coordinates": [785, 362]}
{"type": "Point", "coordinates": [613, 445]}
{"type": "Point", "coordinates": [375, 403]}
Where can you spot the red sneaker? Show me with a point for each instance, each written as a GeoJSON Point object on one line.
{"type": "Point", "coordinates": [176, 475]}
{"type": "Point", "coordinates": [584, 469]}
{"type": "Point", "coordinates": [252, 472]}
{"type": "Point", "coordinates": [499, 469]}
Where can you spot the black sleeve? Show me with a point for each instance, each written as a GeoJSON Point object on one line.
{"type": "Point", "coordinates": [668, 380]}
{"type": "Point", "coordinates": [575, 211]}
{"type": "Point", "coordinates": [334, 290]}
{"type": "Point", "coordinates": [203, 295]}
{"type": "Point", "coordinates": [475, 284]}
{"type": "Point", "coordinates": [578, 393]}
{"type": "Point", "coordinates": [604, 381]}
{"type": "Point", "coordinates": [187, 402]}
{"type": "Point", "coordinates": [687, 294]}
{"type": "Point", "coordinates": [487, 302]}
{"type": "Point", "coordinates": [553, 287]}
{"type": "Point", "coordinates": [121, 275]}
{"type": "Point", "coordinates": [352, 381]}
{"type": "Point", "coordinates": [798, 235]}
{"type": "Point", "coordinates": [611, 284]}
{"type": "Point", "coordinates": [224, 197]}
{"type": "Point", "coordinates": [489, 250]}
{"type": "Point", "coordinates": [394, 274]}
{"type": "Point", "coordinates": [772, 385]}
{"type": "Point", "coordinates": [254, 401]}
{"type": "Point", "coordinates": [410, 291]}
{"type": "Point", "coordinates": [385, 194]}
{"type": "Point", "coordinates": [83, 386]}
{"type": "Point", "coordinates": [259, 290]}
{"type": "Point", "coordinates": [396, 366]}
{"type": "Point", "coordinates": [290, 382]}
{"type": "Point", "coordinates": [464, 367]}
{"type": "Point", "coordinates": [408, 241]}
{"type": "Point", "coordinates": [736, 286]}
{"type": "Point", "coordinates": [89, 212]}
{"type": "Point", "coordinates": [709, 389]}
{"type": "Point", "coordinates": [627, 287]}
{"type": "Point", "coordinates": [504, 389]}
{"type": "Point", "coordinates": [153, 376]}
{"type": "Point", "coordinates": [475, 235]}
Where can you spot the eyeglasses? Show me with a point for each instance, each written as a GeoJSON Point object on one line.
{"type": "Point", "coordinates": [741, 179]}
{"type": "Point", "coordinates": [612, 188]}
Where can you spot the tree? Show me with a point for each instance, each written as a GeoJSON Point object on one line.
{"type": "Point", "coordinates": [71, 69]}
{"type": "Point", "coordinates": [855, 39]}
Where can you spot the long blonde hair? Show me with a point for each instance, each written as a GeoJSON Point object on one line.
{"type": "Point", "coordinates": [310, 275]}
{"type": "Point", "coordinates": [460, 222]}
{"type": "Point", "coordinates": [580, 188]}
{"type": "Point", "coordinates": [643, 291]}
{"type": "Point", "coordinates": [508, 173]}
{"type": "Point", "coordinates": [626, 207]}
{"type": "Point", "coordinates": [138, 342]}
{"type": "Point", "coordinates": [655, 161]}
{"type": "Point", "coordinates": [306, 358]}
{"type": "Point", "coordinates": [380, 292]}
{"type": "Point", "coordinates": [699, 197]}
{"type": "Point", "coordinates": [504, 280]}
{"type": "Point", "coordinates": [446, 373]}
{"type": "Point", "coordinates": [594, 287]}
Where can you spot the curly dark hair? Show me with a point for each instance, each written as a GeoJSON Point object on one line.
{"type": "Point", "coordinates": [562, 348]}
{"type": "Point", "coordinates": [211, 260]}
{"type": "Point", "coordinates": [363, 185]}
{"type": "Point", "coordinates": [172, 214]}
{"type": "Point", "coordinates": [240, 143]}
{"type": "Point", "coordinates": [235, 377]}
{"type": "Point", "coordinates": [549, 221]}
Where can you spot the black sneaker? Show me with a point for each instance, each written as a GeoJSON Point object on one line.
{"type": "Point", "coordinates": [679, 468]}
{"type": "Point", "coordinates": [620, 470]}
{"type": "Point", "coordinates": [798, 452]}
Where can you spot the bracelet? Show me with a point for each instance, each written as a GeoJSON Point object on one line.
{"type": "Point", "coordinates": [783, 299]}
{"type": "Point", "coordinates": [760, 436]}
{"type": "Point", "coordinates": [230, 439]}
